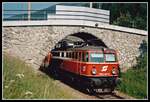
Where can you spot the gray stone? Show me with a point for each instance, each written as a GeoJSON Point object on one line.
{"type": "Point", "coordinates": [32, 43]}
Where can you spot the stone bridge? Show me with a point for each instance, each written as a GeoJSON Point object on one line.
{"type": "Point", "coordinates": [31, 40]}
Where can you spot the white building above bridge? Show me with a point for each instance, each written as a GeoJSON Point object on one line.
{"type": "Point", "coordinates": [80, 13]}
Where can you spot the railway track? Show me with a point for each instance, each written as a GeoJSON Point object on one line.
{"type": "Point", "coordinates": [108, 96]}
{"type": "Point", "coordinates": [116, 95]}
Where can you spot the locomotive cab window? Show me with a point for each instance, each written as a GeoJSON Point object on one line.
{"type": "Point", "coordinates": [83, 56]}
{"type": "Point", "coordinates": [73, 55]}
{"type": "Point", "coordinates": [67, 55]}
{"type": "Point", "coordinates": [62, 54]}
{"type": "Point", "coordinates": [76, 55]}
{"type": "Point", "coordinates": [110, 57]}
{"type": "Point", "coordinates": [86, 57]}
{"type": "Point", "coordinates": [79, 56]}
{"type": "Point", "coordinates": [96, 57]}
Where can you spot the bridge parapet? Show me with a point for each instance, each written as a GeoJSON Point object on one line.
{"type": "Point", "coordinates": [80, 23]}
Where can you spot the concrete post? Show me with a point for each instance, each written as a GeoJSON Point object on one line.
{"type": "Point", "coordinates": [29, 10]}
{"type": "Point", "coordinates": [90, 4]}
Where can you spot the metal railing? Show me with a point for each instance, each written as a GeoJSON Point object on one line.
{"type": "Point", "coordinates": [10, 15]}
{"type": "Point", "coordinates": [15, 15]}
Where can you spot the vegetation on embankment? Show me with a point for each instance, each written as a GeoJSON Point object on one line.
{"type": "Point", "coordinates": [134, 81]}
{"type": "Point", "coordinates": [21, 82]}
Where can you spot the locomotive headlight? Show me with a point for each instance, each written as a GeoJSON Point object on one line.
{"type": "Point", "coordinates": [94, 71]}
{"type": "Point", "coordinates": [114, 71]}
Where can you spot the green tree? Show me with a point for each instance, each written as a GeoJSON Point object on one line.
{"type": "Point", "coordinates": [140, 23]}
{"type": "Point", "coordinates": [124, 20]}
{"type": "Point", "coordinates": [97, 5]}
{"type": "Point", "coordinates": [142, 59]}
{"type": "Point", "coordinates": [128, 14]}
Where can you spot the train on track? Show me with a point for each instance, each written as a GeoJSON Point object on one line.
{"type": "Point", "coordinates": [93, 67]}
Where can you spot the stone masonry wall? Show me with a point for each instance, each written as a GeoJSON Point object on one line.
{"type": "Point", "coordinates": [33, 42]}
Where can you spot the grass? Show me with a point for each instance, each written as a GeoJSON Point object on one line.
{"type": "Point", "coordinates": [21, 82]}
{"type": "Point", "coordinates": [134, 83]}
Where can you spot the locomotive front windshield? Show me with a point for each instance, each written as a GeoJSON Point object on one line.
{"type": "Point", "coordinates": [97, 57]}
{"type": "Point", "coordinates": [110, 57]}
{"type": "Point", "coordinates": [101, 57]}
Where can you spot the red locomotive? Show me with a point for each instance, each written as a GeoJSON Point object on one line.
{"type": "Point", "coordinates": [92, 66]}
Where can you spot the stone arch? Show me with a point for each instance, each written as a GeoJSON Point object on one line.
{"type": "Point", "coordinates": [89, 38]}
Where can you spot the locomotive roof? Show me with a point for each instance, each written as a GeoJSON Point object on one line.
{"type": "Point", "coordinates": [89, 48]}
